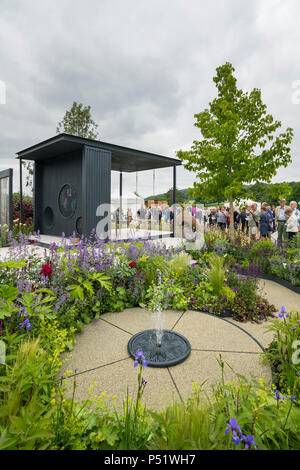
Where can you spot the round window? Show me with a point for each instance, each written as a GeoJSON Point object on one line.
{"type": "Point", "coordinates": [79, 225]}
{"type": "Point", "coordinates": [67, 200]}
{"type": "Point", "coordinates": [48, 216]}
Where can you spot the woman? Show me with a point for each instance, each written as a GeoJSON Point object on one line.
{"type": "Point", "coordinates": [291, 223]}
{"type": "Point", "coordinates": [264, 222]}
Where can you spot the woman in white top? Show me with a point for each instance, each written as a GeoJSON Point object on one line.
{"type": "Point", "coordinates": [291, 223]}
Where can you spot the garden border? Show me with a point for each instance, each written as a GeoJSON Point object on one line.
{"type": "Point", "coordinates": [282, 282]}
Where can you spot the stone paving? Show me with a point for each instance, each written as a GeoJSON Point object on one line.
{"type": "Point", "coordinates": [101, 355]}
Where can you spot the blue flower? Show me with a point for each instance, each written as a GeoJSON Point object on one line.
{"type": "Point", "coordinates": [282, 312]}
{"type": "Point", "coordinates": [293, 398]}
{"type": "Point", "coordinates": [25, 324]}
{"type": "Point", "coordinates": [140, 359]}
{"type": "Point", "coordinates": [249, 441]}
{"type": "Point", "coordinates": [235, 429]}
{"type": "Point", "coordinates": [277, 396]}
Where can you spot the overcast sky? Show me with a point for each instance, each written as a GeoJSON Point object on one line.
{"type": "Point", "coordinates": [145, 67]}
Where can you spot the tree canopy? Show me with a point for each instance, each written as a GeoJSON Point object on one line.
{"type": "Point", "coordinates": [78, 121]}
{"type": "Point", "coordinates": [240, 142]}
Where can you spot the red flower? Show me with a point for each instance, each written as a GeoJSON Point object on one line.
{"type": "Point", "coordinates": [132, 264]}
{"type": "Point", "coordinates": [31, 241]}
{"type": "Point", "coordinates": [46, 270]}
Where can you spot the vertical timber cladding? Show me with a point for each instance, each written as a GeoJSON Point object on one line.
{"type": "Point", "coordinates": [38, 195]}
{"type": "Point", "coordinates": [52, 176]}
{"type": "Point", "coordinates": [96, 185]}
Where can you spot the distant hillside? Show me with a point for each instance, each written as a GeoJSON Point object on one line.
{"type": "Point", "coordinates": [259, 192]}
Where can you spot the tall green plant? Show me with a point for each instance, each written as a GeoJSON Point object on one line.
{"type": "Point", "coordinates": [216, 273]}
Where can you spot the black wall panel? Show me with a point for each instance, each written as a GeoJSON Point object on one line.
{"type": "Point", "coordinates": [96, 170]}
{"type": "Point", "coordinates": [50, 177]}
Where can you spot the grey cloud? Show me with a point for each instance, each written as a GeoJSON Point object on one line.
{"type": "Point", "coordinates": [144, 67]}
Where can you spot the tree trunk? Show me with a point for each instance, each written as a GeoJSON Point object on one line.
{"type": "Point", "coordinates": [231, 226]}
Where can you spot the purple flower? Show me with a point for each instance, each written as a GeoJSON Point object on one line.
{"type": "Point", "coordinates": [171, 294]}
{"type": "Point", "coordinates": [249, 441]}
{"type": "Point", "coordinates": [293, 398]}
{"type": "Point", "coordinates": [235, 429]}
{"type": "Point", "coordinates": [277, 396]}
{"type": "Point", "coordinates": [234, 289]}
{"type": "Point", "coordinates": [25, 324]}
{"type": "Point", "coordinates": [140, 359]}
{"type": "Point", "coordinates": [144, 382]}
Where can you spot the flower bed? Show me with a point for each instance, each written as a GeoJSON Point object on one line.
{"type": "Point", "coordinates": [43, 304]}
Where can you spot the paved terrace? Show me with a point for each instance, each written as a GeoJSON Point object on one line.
{"type": "Point", "coordinates": [100, 354]}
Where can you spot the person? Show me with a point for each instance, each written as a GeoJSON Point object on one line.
{"type": "Point", "coordinates": [129, 216]}
{"type": "Point", "coordinates": [291, 223]}
{"type": "Point", "coordinates": [270, 213]}
{"type": "Point", "coordinates": [236, 218]}
{"type": "Point", "coordinates": [212, 218]}
{"type": "Point", "coordinates": [227, 217]}
{"type": "Point", "coordinates": [264, 222]}
{"type": "Point", "coordinates": [281, 219]}
{"type": "Point", "coordinates": [273, 208]}
{"type": "Point", "coordinates": [253, 221]}
{"type": "Point", "coordinates": [222, 218]}
{"type": "Point", "coordinates": [242, 218]}
{"type": "Point", "coordinates": [293, 205]}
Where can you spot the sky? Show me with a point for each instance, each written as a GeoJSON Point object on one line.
{"type": "Point", "coordinates": [145, 68]}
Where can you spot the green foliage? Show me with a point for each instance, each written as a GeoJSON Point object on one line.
{"type": "Point", "coordinates": [178, 264]}
{"type": "Point", "coordinates": [86, 287]}
{"type": "Point", "coordinates": [25, 382]}
{"type": "Point", "coordinates": [278, 191]}
{"type": "Point", "coordinates": [283, 352]}
{"type": "Point", "coordinates": [240, 142]}
{"type": "Point", "coordinates": [78, 121]}
{"type": "Point", "coordinates": [216, 273]}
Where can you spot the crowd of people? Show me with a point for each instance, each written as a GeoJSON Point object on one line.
{"type": "Point", "coordinates": [285, 219]}
{"type": "Point", "coordinates": [257, 222]}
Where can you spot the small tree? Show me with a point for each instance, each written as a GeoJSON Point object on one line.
{"type": "Point", "coordinates": [78, 121]}
{"type": "Point", "coordinates": [239, 144]}
{"type": "Point", "coordinates": [278, 191]}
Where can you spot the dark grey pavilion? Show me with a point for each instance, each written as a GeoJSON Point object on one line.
{"type": "Point", "coordinates": [72, 177]}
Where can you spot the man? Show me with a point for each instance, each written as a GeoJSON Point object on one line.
{"type": "Point", "coordinates": [281, 219]}
{"type": "Point", "coordinates": [253, 221]}
{"type": "Point", "coordinates": [270, 213]}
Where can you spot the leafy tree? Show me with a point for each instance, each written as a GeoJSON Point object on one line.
{"type": "Point", "coordinates": [180, 198]}
{"type": "Point", "coordinates": [78, 121]}
{"type": "Point", "coordinates": [278, 191]}
{"type": "Point", "coordinates": [295, 193]}
{"type": "Point", "coordinates": [239, 145]}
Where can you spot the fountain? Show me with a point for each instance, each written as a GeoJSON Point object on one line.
{"type": "Point", "coordinates": [161, 347]}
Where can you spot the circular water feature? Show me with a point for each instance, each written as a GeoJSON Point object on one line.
{"type": "Point", "coordinates": [174, 347]}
